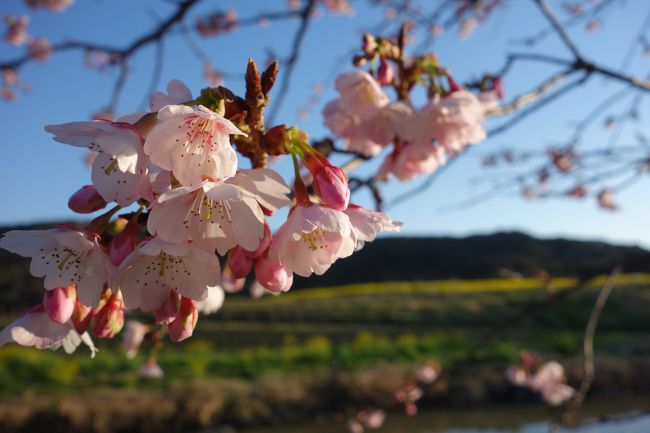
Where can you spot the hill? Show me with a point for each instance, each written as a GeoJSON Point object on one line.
{"type": "Point", "coordinates": [409, 259]}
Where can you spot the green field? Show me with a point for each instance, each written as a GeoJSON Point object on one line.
{"type": "Point", "coordinates": [349, 327]}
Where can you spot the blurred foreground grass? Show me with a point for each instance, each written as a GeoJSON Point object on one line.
{"type": "Point", "coordinates": [350, 327]}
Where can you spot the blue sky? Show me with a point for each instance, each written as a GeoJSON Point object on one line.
{"type": "Point", "coordinates": [38, 174]}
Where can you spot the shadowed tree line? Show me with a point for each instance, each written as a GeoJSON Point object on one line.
{"type": "Point", "coordinates": [410, 259]}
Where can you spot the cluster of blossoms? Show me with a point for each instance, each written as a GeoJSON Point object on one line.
{"type": "Point", "coordinates": [406, 397]}
{"type": "Point", "coordinates": [547, 379]}
{"type": "Point", "coordinates": [422, 138]}
{"type": "Point", "coordinates": [195, 206]}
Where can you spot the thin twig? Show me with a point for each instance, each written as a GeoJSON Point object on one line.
{"type": "Point", "coordinates": [305, 17]}
{"type": "Point", "coordinates": [588, 348]}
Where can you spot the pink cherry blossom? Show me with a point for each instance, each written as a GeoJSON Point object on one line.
{"type": "Point", "coordinates": [330, 182]}
{"type": "Point", "coordinates": [64, 256]}
{"type": "Point", "coordinates": [360, 93]}
{"type": "Point", "coordinates": [366, 224]}
{"type": "Point", "coordinates": [213, 215]}
{"type": "Point", "coordinates": [119, 171]}
{"type": "Point", "coordinates": [177, 93]}
{"type": "Point", "coordinates": [346, 126]}
{"type": "Point", "coordinates": [193, 143]}
{"type": "Point", "coordinates": [412, 160]}
{"type": "Point", "coordinates": [312, 238]}
{"type": "Point", "coordinates": [517, 376]}
{"type": "Point", "coordinates": [16, 29]}
{"type": "Point", "coordinates": [36, 329]}
{"type": "Point", "coordinates": [133, 336]}
{"type": "Point", "coordinates": [156, 267]}
{"type": "Point", "coordinates": [59, 303]}
{"type": "Point", "coordinates": [454, 121]}
{"type": "Point", "coordinates": [387, 123]}
{"type": "Point", "coordinates": [268, 187]}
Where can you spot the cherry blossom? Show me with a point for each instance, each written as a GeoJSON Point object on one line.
{"type": "Point", "coordinates": [312, 238]}
{"type": "Point", "coordinates": [156, 267]}
{"type": "Point", "coordinates": [407, 162]}
{"type": "Point", "coordinates": [182, 327]}
{"type": "Point", "coordinates": [86, 200]}
{"type": "Point", "coordinates": [177, 93]}
{"type": "Point", "coordinates": [213, 215]}
{"type": "Point", "coordinates": [119, 171]}
{"type": "Point", "coordinates": [192, 143]}
{"type": "Point", "coordinates": [36, 329]}
{"type": "Point", "coordinates": [366, 224]}
{"type": "Point", "coordinates": [272, 275]}
{"type": "Point", "coordinates": [64, 256]}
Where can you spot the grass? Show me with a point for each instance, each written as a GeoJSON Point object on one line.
{"type": "Point", "coordinates": [351, 327]}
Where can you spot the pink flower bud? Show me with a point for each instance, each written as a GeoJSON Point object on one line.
{"type": "Point", "coordinates": [59, 303]}
{"type": "Point", "coordinates": [272, 275]}
{"type": "Point", "coordinates": [239, 262]}
{"type": "Point", "coordinates": [385, 72]}
{"type": "Point", "coordinates": [123, 243]}
{"type": "Point", "coordinates": [369, 43]}
{"type": "Point", "coordinates": [166, 313]}
{"type": "Point", "coordinates": [109, 320]}
{"type": "Point", "coordinates": [185, 321]}
{"type": "Point", "coordinates": [331, 185]}
{"type": "Point", "coordinates": [229, 283]}
{"type": "Point", "coordinates": [264, 243]}
{"type": "Point", "coordinates": [81, 316]}
{"type": "Point", "coordinates": [86, 200]}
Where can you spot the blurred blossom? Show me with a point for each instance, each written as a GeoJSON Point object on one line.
{"type": "Point", "coordinates": [578, 191]}
{"type": "Point", "coordinates": [467, 27]}
{"type": "Point", "coordinates": [9, 76]}
{"type": "Point", "coordinates": [150, 369]}
{"type": "Point", "coordinates": [133, 336]}
{"type": "Point", "coordinates": [217, 23]}
{"type": "Point", "coordinates": [212, 76]}
{"type": "Point", "coordinates": [606, 200]}
{"type": "Point", "coordinates": [428, 373]}
{"type": "Point", "coordinates": [39, 49]}
{"type": "Point", "coordinates": [16, 29]}
{"type": "Point", "coordinates": [593, 26]}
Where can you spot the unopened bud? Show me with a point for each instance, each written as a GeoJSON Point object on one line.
{"type": "Point", "coordinates": [239, 262]}
{"type": "Point", "coordinates": [331, 185]}
{"type": "Point", "coordinates": [81, 316]}
{"type": "Point", "coordinates": [110, 319]}
{"type": "Point", "coordinates": [369, 43]}
{"type": "Point", "coordinates": [385, 72]}
{"type": "Point", "coordinates": [272, 275]}
{"type": "Point", "coordinates": [183, 325]}
{"type": "Point", "coordinates": [86, 200]}
{"type": "Point", "coordinates": [59, 303]}
{"type": "Point", "coordinates": [123, 243]}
